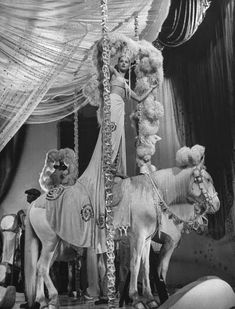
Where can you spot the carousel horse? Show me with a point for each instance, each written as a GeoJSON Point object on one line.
{"type": "Point", "coordinates": [164, 204]}
{"type": "Point", "coordinates": [11, 229]}
{"type": "Point", "coordinates": [139, 204]}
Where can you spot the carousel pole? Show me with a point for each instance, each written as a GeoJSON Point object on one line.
{"type": "Point", "coordinates": [77, 261]}
{"type": "Point", "coordinates": [137, 37]}
{"type": "Point", "coordinates": [136, 24]}
{"type": "Point", "coordinates": [124, 297]}
{"type": "Point", "coordinates": [107, 157]}
{"type": "Point", "coordinates": [76, 138]}
{"type": "Point", "coordinates": [139, 104]}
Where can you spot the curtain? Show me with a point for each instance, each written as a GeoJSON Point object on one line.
{"type": "Point", "coordinates": [169, 144]}
{"type": "Point", "coordinates": [37, 41]}
{"type": "Point", "coordinates": [46, 54]}
{"type": "Point", "coordinates": [201, 75]}
{"type": "Point", "coordinates": [182, 22]}
{"type": "Point", "coordinates": [9, 160]}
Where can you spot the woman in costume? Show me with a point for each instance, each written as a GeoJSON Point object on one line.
{"type": "Point", "coordinates": [92, 178]}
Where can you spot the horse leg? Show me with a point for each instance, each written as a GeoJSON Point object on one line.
{"type": "Point", "coordinates": [41, 269]}
{"type": "Point", "coordinates": [44, 268]}
{"type": "Point", "coordinates": [102, 271]}
{"type": "Point", "coordinates": [145, 260]}
{"type": "Point", "coordinates": [165, 254]}
{"type": "Point", "coordinates": [70, 278]}
{"type": "Point", "coordinates": [40, 295]}
{"type": "Point", "coordinates": [136, 249]}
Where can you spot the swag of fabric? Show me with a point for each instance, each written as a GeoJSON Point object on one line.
{"type": "Point", "coordinates": [202, 79]}
{"type": "Point", "coordinates": [45, 55]}
{"type": "Point", "coordinates": [182, 22]}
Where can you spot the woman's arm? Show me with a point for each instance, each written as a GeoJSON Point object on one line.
{"type": "Point", "coordinates": [113, 70]}
{"type": "Point", "coordinates": [143, 96]}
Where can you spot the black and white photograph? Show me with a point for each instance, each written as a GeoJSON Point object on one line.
{"type": "Point", "coordinates": [117, 154]}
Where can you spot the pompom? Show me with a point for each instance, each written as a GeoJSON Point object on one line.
{"type": "Point", "coordinates": [197, 154]}
{"type": "Point", "coordinates": [186, 156]}
{"type": "Point", "coordinates": [142, 85]}
{"type": "Point", "coordinates": [54, 157]}
{"type": "Point", "coordinates": [145, 65]}
{"type": "Point", "coordinates": [182, 156]}
{"type": "Point", "coordinates": [149, 127]}
{"type": "Point", "coordinates": [152, 108]}
{"type": "Point", "coordinates": [145, 152]}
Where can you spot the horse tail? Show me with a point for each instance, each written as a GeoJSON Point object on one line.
{"type": "Point", "coordinates": [30, 263]}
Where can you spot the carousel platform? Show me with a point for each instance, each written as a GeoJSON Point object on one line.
{"type": "Point", "coordinates": [205, 293]}
{"type": "Point", "coordinates": [68, 303]}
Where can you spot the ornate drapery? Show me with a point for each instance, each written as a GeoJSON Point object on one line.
{"type": "Point", "coordinates": [201, 75]}
{"type": "Point", "coordinates": [45, 54]}
{"type": "Point", "coordinates": [182, 22]}
{"type": "Point", "coordinates": [37, 41]}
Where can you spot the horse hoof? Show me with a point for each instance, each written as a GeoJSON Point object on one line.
{"type": "Point", "coordinates": [152, 304]}
{"type": "Point", "coordinates": [53, 305]}
{"type": "Point", "coordinates": [7, 297]}
{"type": "Point", "coordinates": [139, 305]}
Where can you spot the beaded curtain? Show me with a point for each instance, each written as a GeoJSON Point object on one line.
{"type": "Point", "coordinates": [45, 54]}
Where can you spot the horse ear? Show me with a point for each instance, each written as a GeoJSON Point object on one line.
{"type": "Point", "coordinates": [191, 161]}
{"type": "Point", "coordinates": [201, 163]}
{"type": "Point", "coordinates": [197, 154]}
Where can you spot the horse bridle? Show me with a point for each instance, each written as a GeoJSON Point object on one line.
{"type": "Point", "coordinates": [207, 197]}
{"type": "Point", "coordinates": [200, 219]}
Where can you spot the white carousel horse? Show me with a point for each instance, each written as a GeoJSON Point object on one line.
{"type": "Point", "coordinates": [145, 198]}
{"type": "Point", "coordinates": [11, 225]}
{"type": "Point", "coordinates": [167, 192]}
{"type": "Point", "coordinates": [11, 230]}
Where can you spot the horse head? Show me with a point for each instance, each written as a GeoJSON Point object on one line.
{"type": "Point", "coordinates": [202, 191]}
{"type": "Point", "coordinates": [201, 188]}
{"type": "Point", "coordinates": [189, 184]}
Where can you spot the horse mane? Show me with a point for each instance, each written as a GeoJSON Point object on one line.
{"type": "Point", "coordinates": [174, 182]}
{"type": "Point", "coordinates": [54, 157]}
